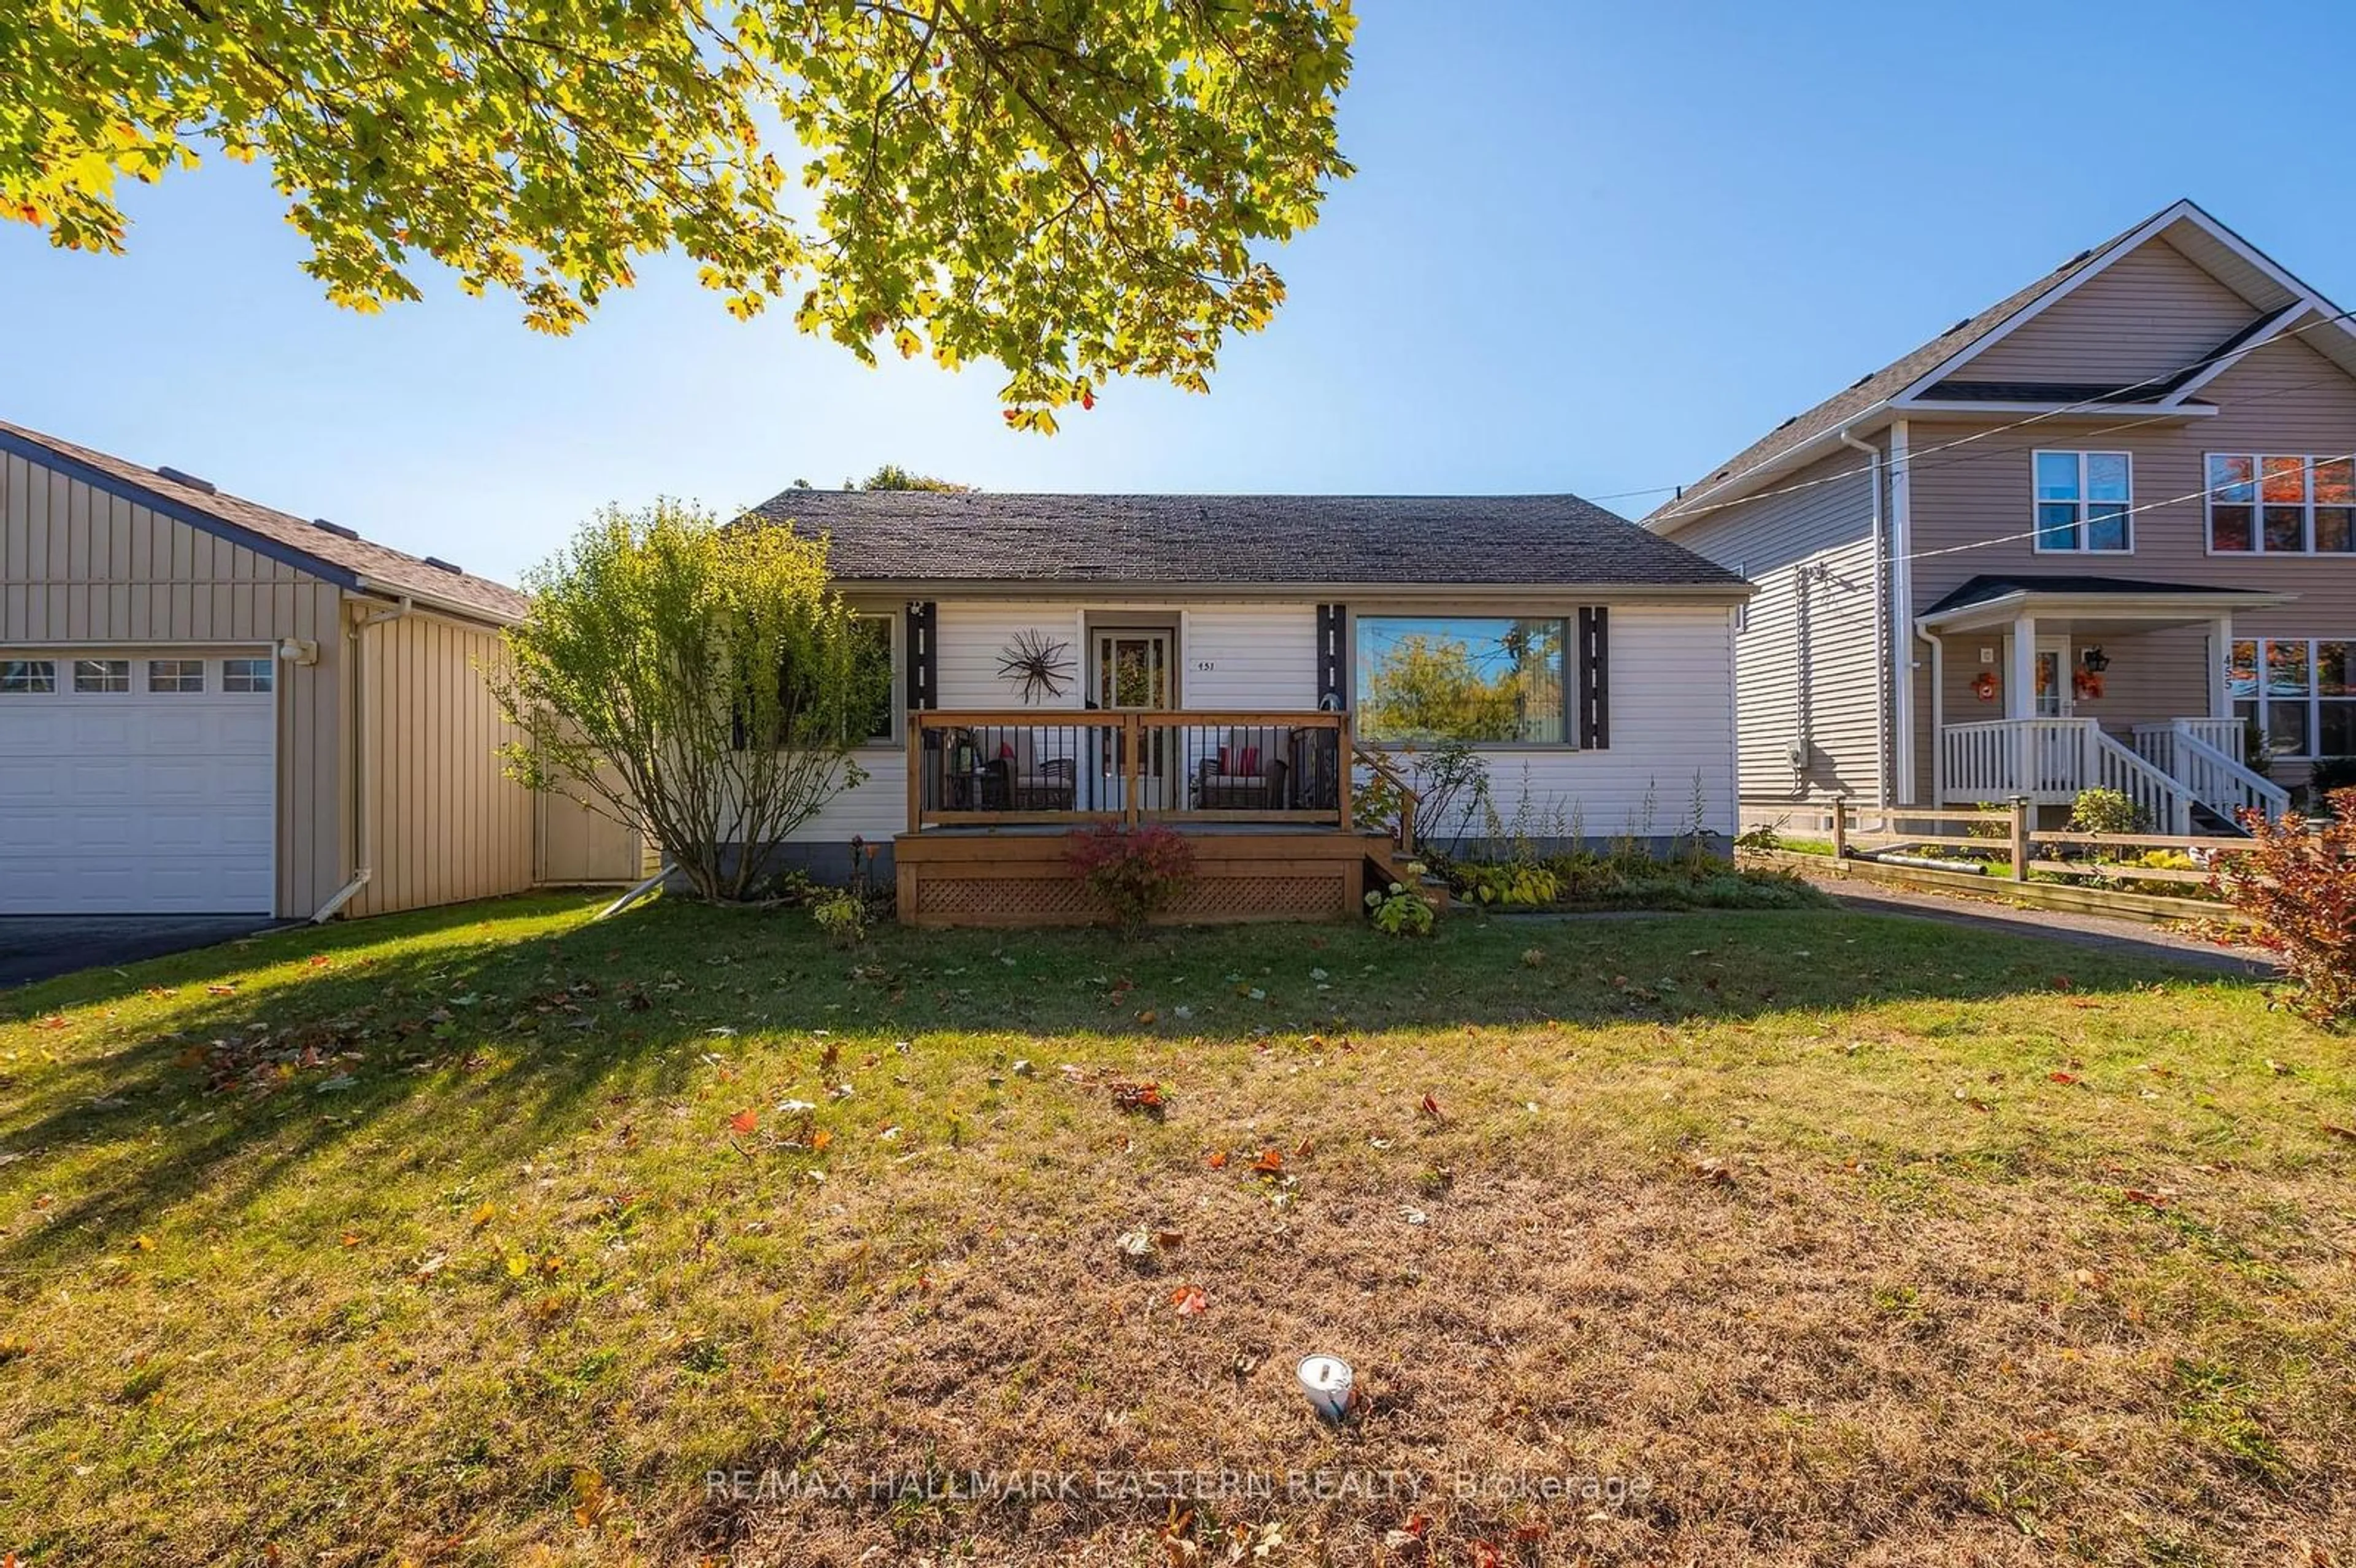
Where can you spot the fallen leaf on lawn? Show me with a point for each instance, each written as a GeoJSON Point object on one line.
{"type": "Point", "coordinates": [2092, 1278]}
{"type": "Point", "coordinates": [1146, 1017]}
{"type": "Point", "coordinates": [484, 1214]}
{"type": "Point", "coordinates": [1430, 1107]}
{"type": "Point", "coordinates": [1714, 1170]}
{"type": "Point", "coordinates": [743, 1122]}
{"type": "Point", "coordinates": [1217, 1159]}
{"type": "Point", "coordinates": [2277, 1068]}
{"type": "Point", "coordinates": [2155, 1200]}
{"type": "Point", "coordinates": [432, 1265]}
{"type": "Point", "coordinates": [1269, 1162]}
{"type": "Point", "coordinates": [820, 1139]}
{"type": "Point", "coordinates": [1301, 1150]}
{"type": "Point", "coordinates": [2062, 1077]}
{"type": "Point", "coordinates": [1168, 1240]}
{"type": "Point", "coordinates": [221, 990]}
{"type": "Point", "coordinates": [890, 1134]}
{"type": "Point", "coordinates": [146, 1243]}
{"type": "Point", "coordinates": [1139, 1099]}
{"type": "Point", "coordinates": [351, 1238]}
{"type": "Point", "coordinates": [1189, 1299]}
{"type": "Point", "coordinates": [1133, 1243]}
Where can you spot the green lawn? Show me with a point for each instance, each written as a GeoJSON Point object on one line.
{"type": "Point", "coordinates": [485, 1235]}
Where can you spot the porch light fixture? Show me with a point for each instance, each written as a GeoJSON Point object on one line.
{"type": "Point", "coordinates": [2095, 659]}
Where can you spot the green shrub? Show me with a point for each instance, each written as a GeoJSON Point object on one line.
{"type": "Point", "coordinates": [1512, 885]}
{"type": "Point", "coordinates": [843, 918]}
{"type": "Point", "coordinates": [1400, 911]}
{"type": "Point", "coordinates": [2104, 811]}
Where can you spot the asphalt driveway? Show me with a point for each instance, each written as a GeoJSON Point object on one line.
{"type": "Point", "coordinates": [38, 946]}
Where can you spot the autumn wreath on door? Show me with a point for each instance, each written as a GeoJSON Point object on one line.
{"type": "Point", "coordinates": [1983, 686]}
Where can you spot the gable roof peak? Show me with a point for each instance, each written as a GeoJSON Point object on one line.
{"type": "Point", "coordinates": [2183, 224]}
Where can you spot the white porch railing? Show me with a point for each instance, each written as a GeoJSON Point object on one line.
{"type": "Point", "coordinates": [2049, 761]}
{"type": "Point", "coordinates": [2205, 755]}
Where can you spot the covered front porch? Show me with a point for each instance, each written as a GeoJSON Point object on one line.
{"type": "Point", "coordinates": [1265, 797]}
{"type": "Point", "coordinates": [2096, 683]}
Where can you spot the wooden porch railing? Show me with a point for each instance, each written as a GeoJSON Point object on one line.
{"type": "Point", "coordinates": [1380, 765]}
{"type": "Point", "coordinates": [1031, 766]}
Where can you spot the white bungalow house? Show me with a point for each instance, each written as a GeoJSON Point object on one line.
{"type": "Point", "coordinates": [1234, 665]}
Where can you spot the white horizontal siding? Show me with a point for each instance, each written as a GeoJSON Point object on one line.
{"type": "Point", "coordinates": [970, 637]}
{"type": "Point", "coordinates": [1249, 655]}
{"type": "Point", "coordinates": [874, 810]}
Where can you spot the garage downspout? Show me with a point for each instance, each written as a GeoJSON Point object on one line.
{"type": "Point", "coordinates": [1901, 607]}
{"type": "Point", "coordinates": [1882, 755]}
{"type": "Point", "coordinates": [363, 848]}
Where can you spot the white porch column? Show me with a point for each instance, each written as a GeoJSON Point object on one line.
{"type": "Point", "coordinates": [2221, 648]}
{"type": "Point", "coordinates": [2020, 680]}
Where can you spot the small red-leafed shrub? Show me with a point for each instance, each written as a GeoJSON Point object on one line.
{"type": "Point", "coordinates": [1132, 876]}
{"type": "Point", "coordinates": [2297, 882]}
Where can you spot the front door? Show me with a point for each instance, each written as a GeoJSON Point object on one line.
{"type": "Point", "coordinates": [2054, 697]}
{"type": "Point", "coordinates": [1133, 672]}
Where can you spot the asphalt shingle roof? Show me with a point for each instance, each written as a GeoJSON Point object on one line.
{"type": "Point", "coordinates": [926, 537]}
{"type": "Point", "coordinates": [1987, 586]}
{"type": "Point", "coordinates": [383, 567]}
{"type": "Point", "coordinates": [1869, 391]}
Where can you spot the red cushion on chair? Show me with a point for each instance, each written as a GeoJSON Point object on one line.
{"type": "Point", "coordinates": [1006, 750]}
{"type": "Point", "coordinates": [1251, 761]}
{"type": "Point", "coordinates": [1223, 760]}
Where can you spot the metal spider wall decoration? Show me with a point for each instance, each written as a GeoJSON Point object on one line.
{"type": "Point", "coordinates": [1041, 663]}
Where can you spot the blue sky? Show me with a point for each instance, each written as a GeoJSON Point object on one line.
{"type": "Point", "coordinates": [1590, 248]}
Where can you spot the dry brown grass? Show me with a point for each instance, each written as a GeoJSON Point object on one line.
{"type": "Point", "coordinates": [1783, 1222]}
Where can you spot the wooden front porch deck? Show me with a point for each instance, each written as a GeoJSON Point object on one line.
{"type": "Point", "coordinates": [1263, 799]}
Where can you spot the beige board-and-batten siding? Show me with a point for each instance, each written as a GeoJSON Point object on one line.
{"type": "Point", "coordinates": [83, 568]}
{"type": "Point", "coordinates": [442, 821]}
{"type": "Point", "coordinates": [1671, 695]}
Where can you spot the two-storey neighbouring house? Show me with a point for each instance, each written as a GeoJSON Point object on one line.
{"type": "Point", "coordinates": [2102, 533]}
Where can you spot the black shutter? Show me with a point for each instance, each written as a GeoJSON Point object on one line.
{"type": "Point", "coordinates": [1594, 708]}
{"type": "Point", "coordinates": [923, 662]}
{"type": "Point", "coordinates": [1330, 619]}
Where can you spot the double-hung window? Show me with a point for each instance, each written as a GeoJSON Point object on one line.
{"type": "Point", "coordinates": [2299, 692]}
{"type": "Point", "coordinates": [2262, 504]}
{"type": "Point", "coordinates": [2083, 500]}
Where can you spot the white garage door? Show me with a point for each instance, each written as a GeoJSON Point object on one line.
{"type": "Point", "coordinates": [136, 783]}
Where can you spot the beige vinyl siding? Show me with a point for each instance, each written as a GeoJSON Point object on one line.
{"type": "Point", "coordinates": [1805, 665]}
{"type": "Point", "coordinates": [443, 823]}
{"type": "Point", "coordinates": [2284, 398]}
{"type": "Point", "coordinates": [82, 567]}
{"type": "Point", "coordinates": [2149, 312]}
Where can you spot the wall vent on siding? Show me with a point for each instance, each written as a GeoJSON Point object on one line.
{"type": "Point", "coordinates": [178, 477]}
{"type": "Point", "coordinates": [438, 564]}
{"type": "Point", "coordinates": [337, 529]}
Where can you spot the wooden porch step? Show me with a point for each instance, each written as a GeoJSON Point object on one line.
{"type": "Point", "coordinates": [1385, 866]}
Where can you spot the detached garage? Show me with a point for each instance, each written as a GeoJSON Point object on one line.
{"type": "Point", "coordinates": [209, 707]}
